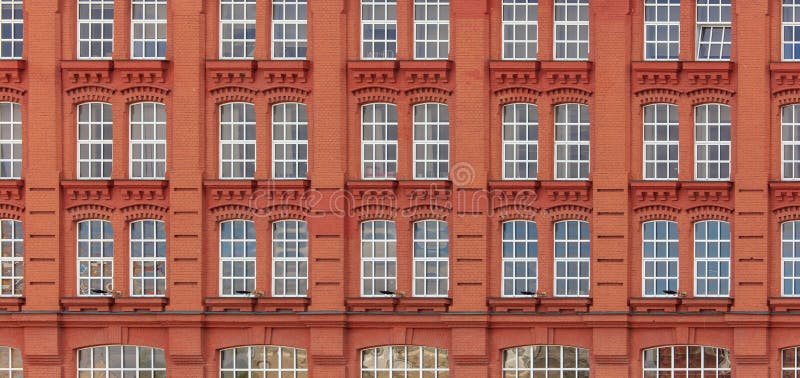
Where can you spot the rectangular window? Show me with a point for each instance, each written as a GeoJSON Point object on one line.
{"type": "Point", "coordinates": [289, 29]}
{"type": "Point", "coordinates": [379, 141]}
{"type": "Point", "coordinates": [11, 27]}
{"type": "Point", "coordinates": [791, 30]}
{"type": "Point", "coordinates": [431, 141]}
{"type": "Point", "coordinates": [237, 258]}
{"type": "Point", "coordinates": [520, 142]}
{"type": "Point", "coordinates": [378, 29]}
{"type": "Point", "coordinates": [659, 258]}
{"type": "Point", "coordinates": [520, 258]}
{"type": "Point", "coordinates": [378, 258]}
{"type": "Point", "coordinates": [571, 30]}
{"type": "Point", "coordinates": [790, 142]}
{"type": "Point", "coordinates": [431, 258]}
{"type": "Point", "coordinates": [95, 29]}
{"type": "Point", "coordinates": [289, 258]}
{"type": "Point", "coordinates": [289, 141]}
{"type": "Point", "coordinates": [237, 139]}
{"type": "Point", "coordinates": [572, 258]}
{"type": "Point", "coordinates": [661, 142]}
{"type": "Point", "coordinates": [237, 29]}
{"type": "Point", "coordinates": [572, 142]}
{"type": "Point", "coordinates": [95, 258]}
{"type": "Point", "coordinates": [712, 256]}
{"type": "Point", "coordinates": [712, 142]}
{"type": "Point", "coordinates": [713, 29]}
{"type": "Point", "coordinates": [148, 140]}
{"type": "Point", "coordinates": [95, 141]}
{"type": "Point", "coordinates": [148, 258]}
{"type": "Point", "coordinates": [662, 29]}
{"type": "Point", "coordinates": [520, 29]}
{"type": "Point", "coordinates": [12, 255]}
{"type": "Point", "coordinates": [148, 29]}
{"type": "Point", "coordinates": [10, 141]}
{"type": "Point", "coordinates": [431, 29]}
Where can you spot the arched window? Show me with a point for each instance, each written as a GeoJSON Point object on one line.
{"type": "Point", "coordinates": [95, 258]}
{"type": "Point", "coordinates": [263, 361]}
{"type": "Point", "coordinates": [10, 362]}
{"type": "Point", "coordinates": [289, 141]}
{"type": "Point", "coordinates": [378, 257]}
{"type": "Point", "coordinates": [660, 142]}
{"type": "Point", "coordinates": [237, 141]}
{"type": "Point", "coordinates": [12, 254]}
{"type": "Point", "coordinates": [712, 257]}
{"type": "Point", "coordinates": [289, 258]}
{"type": "Point", "coordinates": [659, 258]}
{"type": "Point", "coordinates": [379, 141]}
{"type": "Point", "coordinates": [148, 141]}
{"type": "Point", "coordinates": [790, 362]}
{"type": "Point", "coordinates": [431, 141]}
{"type": "Point", "coordinates": [237, 258]}
{"type": "Point", "coordinates": [397, 361]}
{"type": "Point", "coordinates": [520, 141]}
{"type": "Point", "coordinates": [790, 136]}
{"type": "Point", "coordinates": [148, 258]}
{"type": "Point", "coordinates": [712, 130]}
{"type": "Point", "coordinates": [572, 142]}
{"type": "Point", "coordinates": [572, 257]}
{"type": "Point", "coordinates": [520, 258]}
{"type": "Point", "coordinates": [683, 360]}
{"type": "Point", "coordinates": [121, 361]}
{"type": "Point", "coordinates": [546, 361]}
{"type": "Point", "coordinates": [431, 258]}
{"type": "Point", "coordinates": [95, 141]}
{"type": "Point", "coordinates": [10, 139]}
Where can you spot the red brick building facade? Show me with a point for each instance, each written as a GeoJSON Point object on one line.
{"type": "Point", "coordinates": [208, 184]}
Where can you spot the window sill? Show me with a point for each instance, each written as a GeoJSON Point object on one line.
{"type": "Point", "coordinates": [89, 304]}
{"type": "Point", "coordinates": [708, 72]}
{"type": "Point", "coordinates": [12, 189]}
{"type": "Point", "coordinates": [87, 189]}
{"type": "Point", "coordinates": [566, 71]}
{"type": "Point", "coordinates": [651, 191]}
{"type": "Point", "coordinates": [512, 304]}
{"type": "Point", "coordinates": [784, 304]}
{"type": "Point", "coordinates": [656, 72]}
{"type": "Point", "coordinates": [514, 72]}
{"type": "Point", "coordinates": [371, 304]}
{"type": "Point", "coordinates": [87, 71]}
{"type": "Point", "coordinates": [229, 304]}
{"type": "Point", "coordinates": [564, 304]}
{"type": "Point", "coordinates": [141, 70]}
{"type": "Point", "coordinates": [137, 304]}
{"type": "Point", "coordinates": [282, 304]}
{"type": "Point", "coordinates": [11, 304]}
{"type": "Point", "coordinates": [423, 304]}
{"type": "Point", "coordinates": [785, 191]}
{"type": "Point", "coordinates": [654, 304]}
{"type": "Point", "coordinates": [705, 304]}
{"type": "Point", "coordinates": [562, 190]}
{"type": "Point", "coordinates": [11, 70]}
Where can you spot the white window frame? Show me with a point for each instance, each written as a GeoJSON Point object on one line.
{"type": "Point", "coordinates": [654, 141]}
{"type": "Point", "coordinates": [790, 141]}
{"type": "Point", "coordinates": [437, 143]}
{"type": "Point", "coordinates": [528, 241]}
{"type": "Point", "coordinates": [104, 240]}
{"type": "Point", "coordinates": [229, 369]}
{"type": "Point", "coordinates": [158, 25]}
{"type": "Point", "coordinates": [370, 366]}
{"type": "Point", "coordinates": [792, 370]}
{"type": "Point", "coordinates": [157, 368]}
{"type": "Point", "coordinates": [669, 23]}
{"type": "Point", "coordinates": [567, 143]}
{"type": "Point", "coordinates": [14, 366]}
{"type": "Point", "coordinates": [156, 126]}
{"type": "Point", "coordinates": [580, 241]}
{"type": "Point", "coordinates": [793, 8]}
{"type": "Point", "coordinates": [248, 242]}
{"type": "Point", "coordinates": [440, 243]}
{"type": "Point", "coordinates": [668, 243]}
{"type": "Point", "coordinates": [154, 256]}
{"type": "Point", "coordinates": [105, 122]}
{"type": "Point", "coordinates": [245, 23]}
{"type": "Point", "coordinates": [248, 139]}
{"type": "Point", "coordinates": [520, 141]}
{"type": "Point", "coordinates": [520, 25]}
{"type": "Point", "coordinates": [653, 370]}
{"type": "Point", "coordinates": [92, 21]}
{"type": "Point", "coordinates": [721, 243]}
{"type": "Point", "coordinates": [425, 6]}
{"type": "Point", "coordinates": [386, 128]}
{"type": "Point", "coordinates": [12, 258]}
{"type": "Point", "coordinates": [790, 260]}
{"type": "Point", "coordinates": [372, 23]}
{"type": "Point", "coordinates": [520, 361]}
{"type": "Point", "coordinates": [370, 244]}
{"type": "Point", "coordinates": [10, 140]}
{"type": "Point", "coordinates": [292, 121]}
{"type": "Point", "coordinates": [719, 144]}
{"type": "Point", "coordinates": [300, 23]}
{"type": "Point", "coordinates": [567, 24]}
{"type": "Point", "coordinates": [282, 264]}
{"type": "Point", "coordinates": [715, 25]}
{"type": "Point", "coordinates": [16, 23]}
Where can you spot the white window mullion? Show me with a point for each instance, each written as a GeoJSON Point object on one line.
{"type": "Point", "coordinates": [790, 142]}
{"type": "Point", "coordinates": [431, 141]}
{"type": "Point", "coordinates": [662, 29]}
{"type": "Point", "coordinates": [237, 29]}
{"type": "Point", "coordinates": [289, 258]}
{"type": "Point", "coordinates": [237, 124]}
{"type": "Point", "coordinates": [237, 263]}
{"type": "Point", "coordinates": [148, 141]}
{"type": "Point", "coordinates": [404, 361]}
{"type": "Point", "coordinates": [95, 29]}
{"type": "Point", "coordinates": [431, 258]}
{"type": "Point", "coordinates": [713, 29]}
{"type": "Point", "coordinates": [431, 29]}
{"type": "Point", "coordinates": [520, 253]}
{"type": "Point", "coordinates": [10, 141]}
{"type": "Point", "coordinates": [660, 142]}
{"type": "Point", "coordinates": [572, 258]}
{"type": "Point", "coordinates": [289, 29]}
{"type": "Point", "coordinates": [289, 141]}
{"type": "Point", "coordinates": [520, 29]}
{"type": "Point", "coordinates": [11, 29]}
{"type": "Point", "coordinates": [148, 29]}
{"type": "Point", "coordinates": [712, 251]}
{"type": "Point", "coordinates": [121, 360]}
{"type": "Point", "coordinates": [12, 256]}
{"type": "Point", "coordinates": [95, 258]}
{"type": "Point", "coordinates": [572, 142]}
{"type": "Point", "coordinates": [378, 29]}
{"type": "Point", "coordinates": [378, 258]}
{"type": "Point", "coordinates": [148, 249]}
{"type": "Point", "coordinates": [520, 142]}
{"type": "Point", "coordinates": [712, 142]}
{"type": "Point", "coordinates": [571, 25]}
{"type": "Point", "coordinates": [659, 258]}
{"type": "Point", "coordinates": [379, 141]}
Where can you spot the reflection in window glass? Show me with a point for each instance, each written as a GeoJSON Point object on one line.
{"type": "Point", "coordinates": [520, 142]}
{"type": "Point", "coordinates": [378, 257]}
{"type": "Point", "coordinates": [712, 257]}
{"type": "Point", "coordinates": [263, 361]}
{"type": "Point", "coordinates": [572, 257]}
{"type": "Point", "coordinates": [289, 29]}
{"type": "Point", "coordinates": [237, 251]}
{"type": "Point", "coordinates": [431, 29]}
{"type": "Point", "coordinates": [11, 28]}
{"type": "Point", "coordinates": [121, 361]}
{"type": "Point", "coordinates": [398, 361]}
{"type": "Point", "coordinates": [237, 29]}
{"type": "Point", "coordinates": [572, 29]}
{"type": "Point", "coordinates": [546, 361]}
{"type": "Point", "coordinates": [713, 29]}
{"type": "Point", "coordinates": [520, 258]}
{"type": "Point", "coordinates": [683, 360]}
{"type": "Point", "coordinates": [378, 29]}
{"type": "Point", "coordinates": [662, 29]}
{"type": "Point", "coordinates": [520, 29]}
{"type": "Point", "coordinates": [659, 258]}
